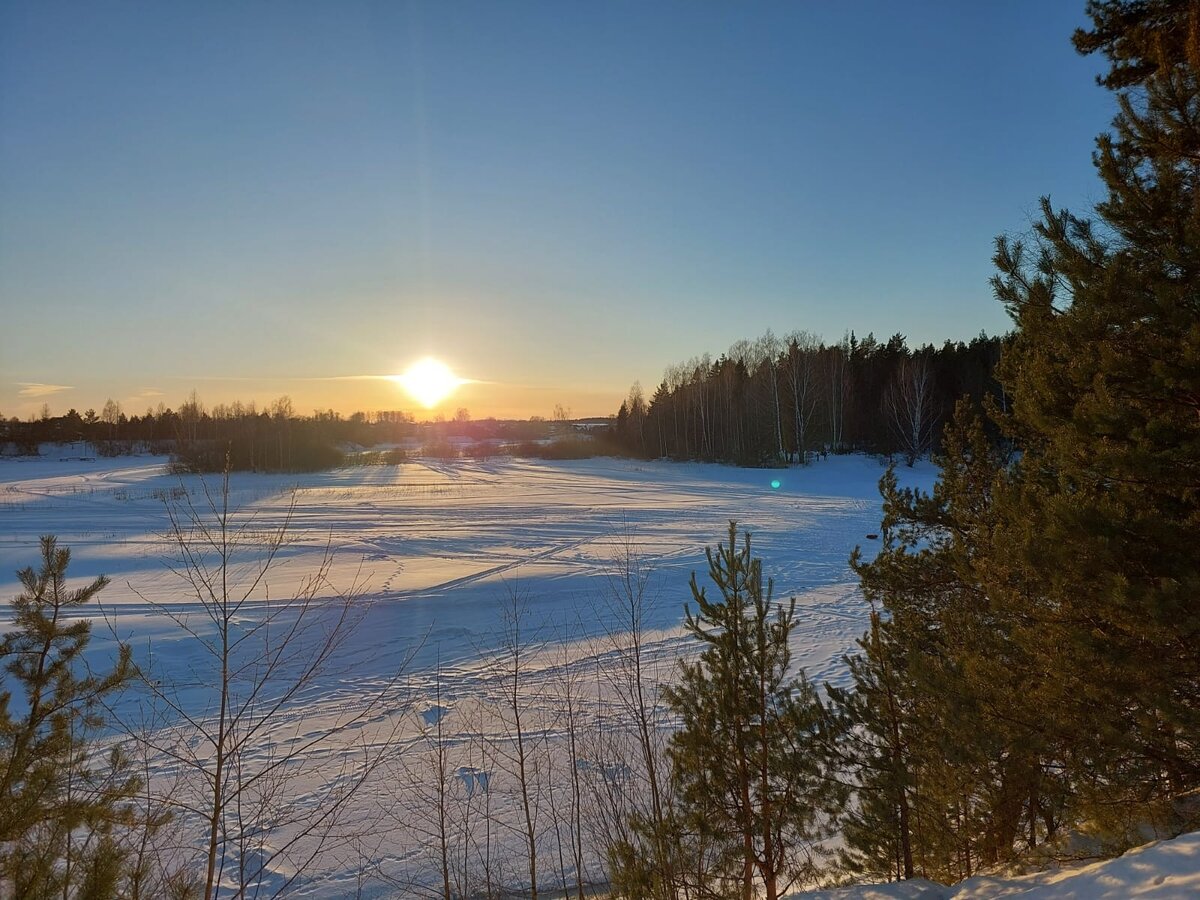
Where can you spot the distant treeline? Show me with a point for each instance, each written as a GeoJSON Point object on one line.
{"type": "Point", "coordinates": [276, 439]}
{"type": "Point", "coordinates": [774, 400]}
{"type": "Point", "coordinates": [763, 402]}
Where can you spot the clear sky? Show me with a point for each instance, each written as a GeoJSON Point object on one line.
{"type": "Point", "coordinates": [252, 199]}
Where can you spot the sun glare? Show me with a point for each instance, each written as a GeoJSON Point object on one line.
{"type": "Point", "coordinates": [429, 382]}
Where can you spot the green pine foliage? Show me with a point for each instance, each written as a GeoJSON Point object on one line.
{"type": "Point", "coordinates": [1036, 664]}
{"type": "Point", "coordinates": [1105, 379]}
{"type": "Point", "coordinates": [61, 809]}
{"type": "Point", "coordinates": [748, 766]}
{"type": "Point", "coordinates": [876, 745]}
{"type": "Point", "coordinates": [946, 741]}
{"type": "Point", "coordinates": [668, 858]}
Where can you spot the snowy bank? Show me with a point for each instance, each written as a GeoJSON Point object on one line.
{"type": "Point", "coordinates": [1163, 870]}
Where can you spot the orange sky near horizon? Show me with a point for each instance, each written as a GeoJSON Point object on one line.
{"type": "Point", "coordinates": [346, 395]}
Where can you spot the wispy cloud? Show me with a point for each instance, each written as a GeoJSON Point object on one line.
{"type": "Point", "coordinates": [147, 394]}
{"type": "Point", "coordinates": [305, 378]}
{"type": "Point", "coordinates": [279, 378]}
{"type": "Point", "coordinates": [36, 389]}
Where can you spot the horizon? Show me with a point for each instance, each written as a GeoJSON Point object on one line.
{"type": "Point", "coordinates": [41, 396]}
{"type": "Point", "coordinates": [556, 203]}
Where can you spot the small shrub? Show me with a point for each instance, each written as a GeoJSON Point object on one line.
{"type": "Point", "coordinates": [439, 450]}
{"type": "Point", "coordinates": [481, 450]}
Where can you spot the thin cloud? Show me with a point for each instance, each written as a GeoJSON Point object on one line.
{"type": "Point", "coordinates": [258, 379]}
{"type": "Point", "coordinates": [36, 389]}
{"type": "Point", "coordinates": [145, 395]}
{"type": "Point", "coordinates": [275, 379]}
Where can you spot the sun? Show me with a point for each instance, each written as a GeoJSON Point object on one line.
{"type": "Point", "coordinates": [429, 381]}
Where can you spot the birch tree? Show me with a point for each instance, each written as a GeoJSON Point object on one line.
{"type": "Point", "coordinates": [910, 408]}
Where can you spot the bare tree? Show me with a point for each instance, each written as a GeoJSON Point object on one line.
{"type": "Point", "coordinates": [252, 769]}
{"type": "Point", "coordinates": [569, 703]}
{"type": "Point", "coordinates": [430, 784]}
{"type": "Point", "coordinates": [522, 750]}
{"type": "Point", "coordinates": [426, 803]}
{"type": "Point", "coordinates": [632, 676]}
{"type": "Point", "coordinates": [156, 841]}
{"type": "Point", "coordinates": [191, 412]}
{"type": "Point", "coordinates": [837, 390]}
{"type": "Point", "coordinates": [734, 383]}
{"type": "Point", "coordinates": [699, 393]}
{"type": "Point", "coordinates": [675, 377]}
{"type": "Point", "coordinates": [767, 351]}
{"type": "Point", "coordinates": [631, 780]}
{"type": "Point", "coordinates": [910, 408]}
{"type": "Point", "coordinates": [111, 416]}
{"type": "Point", "coordinates": [800, 371]}
{"type": "Point", "coordinates": [442, 774]}
{"type": "Point", "coordinates": [477, 777]}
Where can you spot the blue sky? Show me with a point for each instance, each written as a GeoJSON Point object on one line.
{"type": "Point", "coordinates": [252, 199]}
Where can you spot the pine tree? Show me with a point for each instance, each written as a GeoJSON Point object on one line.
{"type": "Point", "coordinates": [747, 764]}
{"type": "Point", "coordinates": [946, 697]}
{"type": "Point", "coordinates": [60, 812]}
{"type": "Point", "coordinates": [1040, 613]}
{"type": "Point", "coordinates": [1104, 374]}
{"type": "Point", "coordinates": [876, 740]}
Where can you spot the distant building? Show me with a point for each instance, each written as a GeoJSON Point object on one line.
{"type": "Point", "coordinates": [594, 424]}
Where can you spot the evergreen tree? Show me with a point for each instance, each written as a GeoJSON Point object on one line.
{"type": "Point", "coordinates": [749, 773]}
{"type": "Point", "coordinates": [765, 402]}
{"type": "Point", "coordinates": [947, 698]}
{"type": "Point", "coordinates": [668, 858]}
{"type": "Point", "coordinates": [1045, 609]}
{"type": "Point", "coordinates": [876, 745]}
{"type": "Point", "coordinates": [60, 812]}
{"type": "Point", "coordinates": [1104, 375]}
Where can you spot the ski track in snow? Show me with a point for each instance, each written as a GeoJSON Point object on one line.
{"type": "Point", "coordinates": [434, 549]}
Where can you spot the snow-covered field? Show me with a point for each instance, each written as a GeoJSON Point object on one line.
{"type": "Point", "coordinates": [437, 550]}
{"type": "Point", "coordinates": [436, 545]}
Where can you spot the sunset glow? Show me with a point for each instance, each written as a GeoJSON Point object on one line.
{"type": "Point", "coordinates": [429, 382]}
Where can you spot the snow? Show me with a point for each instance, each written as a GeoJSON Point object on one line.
{"type": "Point", "coordinates": [436, 550]}
{"type": "Point", "coordinates": [913, 889]}
{"type": "Point", "coordinates": [1163, 870]}
{"type": "Point", "coordinates": [436, 543]}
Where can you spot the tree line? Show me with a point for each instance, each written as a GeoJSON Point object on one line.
{"type": "Point", "coordinates": [764, 402]}
{"type": "Point", "coordinates": [272, 438]}
{"type": "Point", "coordinates": [771, 401]}
{"type": "Point", "coordinates": [276, 438]}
